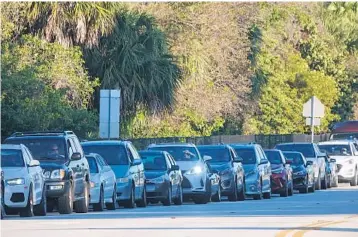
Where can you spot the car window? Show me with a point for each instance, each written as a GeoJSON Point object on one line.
{"type": "Point", "coordinates": [112, 154]}
{"type": "Point", "coordinates": [218, 154]}
{"type": "Point", "coordinates": [153, 161]}
{"type": "Point", "coordinates": [77, 145]}
{"type": "Point", "coordinates": [296, 158]}
{"type": "Point", "coordinates": [179, 153]}
{"type": "Point", "coordinates": [233, 154]}
{"type": "Point", "coordinates": [247, 154]}
{"type": "Point", "coordinates": [26, 156]}
{"type": "Point", "coordinates": [274, 157]}
{"type": "Point", "coordinates": [12, 158]}
{"type": "Point", "coordinates": [29, 154]}
{"type": "Point", "coordinates": [336, 149]}
{"type": "Point", "coordinates": [306, 149]}
{"type": "Point", "coordinates": [261, 154]}
{"type": "Point", "coordinates": [92, 164]}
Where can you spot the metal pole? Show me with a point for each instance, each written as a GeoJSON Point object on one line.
{"type": "Point", "coordinates": [312, 118]}
{"type": "Point", "coordinates": [109, 115]}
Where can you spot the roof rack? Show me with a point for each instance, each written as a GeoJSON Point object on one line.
{"type": "Point", "coordinates": [39, 133]}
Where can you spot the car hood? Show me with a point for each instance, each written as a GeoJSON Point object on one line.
{"type": "Point", "coordinates": [152, 174]}
{"type": "Point", "coordinates": [120, 170]}
{"type": "Point", "coordinates": [249, 167]}
{"type": "Point", "coordinates": [187, 165]}
{"type": "Point", "coordinates": [220, 166]}
{"type": "Point", "coordinates": [297, 168]}
{"type": "Point", "coordinates": [14, 172]}
{"type": "Point", "coordinates": [51, 165]}
{"type": "Point", "coordinates": [342, 159]}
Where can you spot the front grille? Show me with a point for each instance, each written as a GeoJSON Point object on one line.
{"type": "Point", "coordinates": [17, 197]}
{"type": "Point", "coordinates": [339, 167]}
{"type": "Point", "coordinates": [186, 183]}
{"type": "Point", "coordinates": [153, 194]}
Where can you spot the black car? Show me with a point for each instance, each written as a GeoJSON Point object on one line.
{"type": "Point", "coordinates": [163, 178]}
{"type": "Point", "coordinates": [228, 165]}
{"type": "Point", "coordinates": [303, 175]}
{"type": "Point", "coordinates": [65, 168]}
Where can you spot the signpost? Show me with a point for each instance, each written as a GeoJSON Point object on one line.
{"type": "Point", "coordinates": [109, 113]}
{"type": "Point", "coordinates": [313, 111]}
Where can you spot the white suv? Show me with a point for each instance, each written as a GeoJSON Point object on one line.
{"type": "Point", "coordinates": [24, 182]}
{"type": "Point", "coordinates": [346, 156]}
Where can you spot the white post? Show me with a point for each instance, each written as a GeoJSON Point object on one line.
{"type": "Point", "coordinates": [312, 119]}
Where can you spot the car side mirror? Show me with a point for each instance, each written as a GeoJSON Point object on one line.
{"type": "Point", "coordinates": [136, 162]}
{"type": "Point", "coordinates": [175, 167]}
{"type": "Point", "coordinates": [238, 160]}
{"type": "Point", "coordinates": [76, 156]}
{"type": "Point", "coordinates": [34, 163]}
{"type": "Point", "coordinates": [309, 163]}
{"type": "Point", "coordinates": [207, 158]}
{"type": "Point", "coordinates": [263, 162]}
{"type": "Point", "coordinates": [332, 160]}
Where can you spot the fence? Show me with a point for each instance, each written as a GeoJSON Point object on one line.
{"type": "Point", "coordinates": [266, 141]}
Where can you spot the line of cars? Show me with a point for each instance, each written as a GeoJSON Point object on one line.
{"type": "Point", "coordinates": [48, 171]}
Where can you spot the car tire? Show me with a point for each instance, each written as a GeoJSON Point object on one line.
{"type": "Point", "coordinates": [354, 181]}
{"type": "Point", "coordinates": [217, 196]}
{"type": "Point", "coordinates": [233, 196]}
{"type": "Point", "coordinates": [100, 205]}
{"type": "Point", "coordinates": [267, 195]}
{"type": "Point", "coordinates": [112, 205]}
{"type": "Point", "coordinates": [179, 199]}
{"type": "Point", "coordinates": [143, 201]}
{"type": "Point", "coordinates": [65, 203]}
{"type": "Point", "coordinates": [41, 209]}
{"type": "Point", "coordinates": [318, 182]}
{"type": "Point", "coordinates": [324, 184]}
{"type": "Point", "coordinates": [335, 182]}
{"type": "Point", "coordinates": [81, 206]}
{"type": "Point", "coordinates": [131, 202]}
{"type": "Point", "coordinates": [28, 211]}
{"type": "Point", "coordinates": [168, 199]}
{"type": "Point", "coordinates": [329, 183]}
{"type": "Point", "coordinates": [242, 195]}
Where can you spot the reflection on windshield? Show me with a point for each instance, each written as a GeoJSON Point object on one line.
{"type": "Point", "coordinates": [247, 154]}
{"type": "Point", "coordinates": [179, 153]}
{"type": "Point", "coordinates": [154, 161]}
{"type": "Point", "coordinates": [11, 158]}
{"type": "Point", "coordinates": [217, 154]}
{"type": "Point", "coordinates": [92, 164]}
{"type": "Point", "coordinates": [112, 154]}
{"type": "Point", "coordinates": [43, 149]}
{"type": "Point", "coordinates": [336, 149]}
{"type": "Point", "coordinates": [274, 157]}
{"type": "Point", "coordinates": [294, 157]}
{"type": "Point", "coordinates": [306, 149]}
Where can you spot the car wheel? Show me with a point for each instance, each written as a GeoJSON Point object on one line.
{"type": "Point", "coordinates": [284, 192]}
{"type": "Point", "coordinates": [41, 209]}
{"type": "Point", "coordinates": [131, 202]}
{"type": "Point", "coordinates": [112, 205]}
{"type": "Point", "coordinates": [241, 195]}
{"type": "Point", "coordinates": [329, 183]}
{"type": "Point", "coordinates": [100, 205]}
{"type": "Point", "coordinates": [233, 196]}
{"type": "Point", "coordinates": [179, 199]}
{"type": "Point", "coordinates": [143, 201]}
{"type": "Point", "coordinates": [267, 195]}
{"type": "Point", "coordinates": [28, 211]}
{"type": "Point", "coordinates": [324, 182]}
{"type": "Point", "coordinates": [65, 203]}
{"type": "Point", "coordinates": [81, 206]}
{"type": "Point", "coordinates": [335, 182]}
{"type": "Point", "coordinates": [168, 200]}
{"type": "Point", "coordinates": [217, 196]}
{"type": "Point", "coordinates": [354, 181]}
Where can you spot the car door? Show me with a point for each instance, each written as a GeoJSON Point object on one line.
{"type": "Point", "coordinates": [265, 167]}
{"type": "Point", "coordinates": [287, 167]}
{"type": "Point", "coordinates": [238, 169]}
{"type": "Point", "coordinates": [178, 176]}
{"type": "Point", "coordinates": [171, 173]}
{"type": "Point", "coordinates": [76, 167]}
{"type": "Point", "coordinates": [137, 171]}
{"type": "Point", "coordinates": [321, 160]}
{"type": "Point", "coordinates": [83, 162]}
{"type": "Point", "coordinates": [108, 181]}
{"type": "Point", "coordinates": [35, 176]}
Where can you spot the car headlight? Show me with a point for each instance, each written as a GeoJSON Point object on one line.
{"type": "Point", "coordinates": [225, 172]}
{"type": "Point", "coordinates": [18, 181]}
{"type": "Point", "coordinates": [57, 174]}
{"type": "Point", "coordinates": [122, 180]}
{"type": "Point", "coordinates": [277, 171]}
{"type": "Point", "coordinates": [157, 180]}
{"type": "Point", "coordinates": [302, 172]}
{"type": "Point", "coordinates": [349, 161]}
{"type": "Point", "coordinates": [195, 170]}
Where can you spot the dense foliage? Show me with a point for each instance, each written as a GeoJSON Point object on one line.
{"type": "Point", "coordinates": [184, 69]}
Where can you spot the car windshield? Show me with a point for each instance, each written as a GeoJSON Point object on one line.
{"type": "Point", "coordinates": [306, 149]}
{"type": "Point", "coordinates": [92, 164]}
{"type": "Point", "coordinates": [344, 136]}
{"type": "Point", "coordinates": [274, 157]}
{"type": "Point", "coordinates": [218, 154]}
{"type": "Point", "coordinates": [113, 154]}
{"type": "Point", "coordinates": [180, 153]}
{"type": "Point", "coordinates": [11, 158]}
{"type": "Point", "coordinates": [44, 149]}
{"type": "Point", "coordinates": [296, 158]}
{"type": "Point", "coordinates": [336, 149]}
{"type": "Point", "coordinates": [247, 154]}
{"type": "Point", "coordinates": [154, 161]}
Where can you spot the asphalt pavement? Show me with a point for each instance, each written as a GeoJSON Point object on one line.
{"type": "Point", "coordinates": [330, 213]}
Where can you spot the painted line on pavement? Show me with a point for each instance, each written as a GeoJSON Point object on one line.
{"type": "Point", "coordinates": [286, 232]}
{"type": "Point", "coordinates": [318, 227]}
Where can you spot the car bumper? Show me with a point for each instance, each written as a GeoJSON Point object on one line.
{"type": "Point", "coordinates": [299, 181]}
{"type": "Point", "coordinates": [227, 185]}
{"type": "Point", "coordinates": [278, 182]}
{"type": "Point", "coordinates": [157, 191]}
{"type": "Point", "coordinates": [123, 191]}
{"type": "Point", "coordinates": [16, 196]}
{"type": "Point", "coordinates": [55, 189]}
{"type": "Point", "coordinates": [252, 187]}
{"type": "Point", "coordinates": [193, 185]}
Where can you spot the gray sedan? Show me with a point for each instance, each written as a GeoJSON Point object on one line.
{"type": "Point", "coordinates": [103, 183]}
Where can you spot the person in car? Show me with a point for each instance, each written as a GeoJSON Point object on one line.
{"type": "Point", "coordinates": [188, 155]}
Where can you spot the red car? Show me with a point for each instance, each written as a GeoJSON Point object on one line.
{"type": "Point", "coordinates": [281, 178]}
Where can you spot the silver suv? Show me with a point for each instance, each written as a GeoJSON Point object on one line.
{"type": "Point", "coordinates": [196, 175]}
{"type": "Point", "coordinates": [24, 182]}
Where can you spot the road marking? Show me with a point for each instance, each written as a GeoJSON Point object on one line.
{"type": "Point", "coordinates": [318, 227]}
{"type": "Point", "coordinates": [286, 232]}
